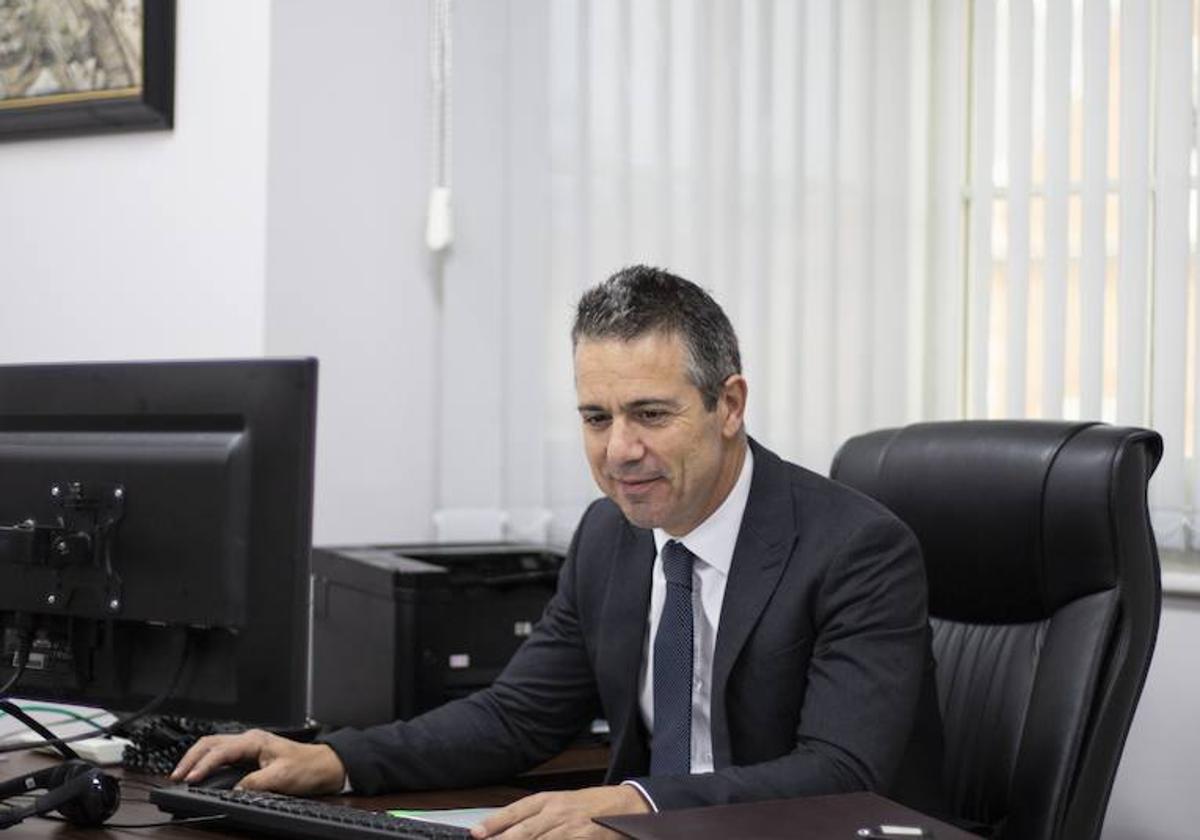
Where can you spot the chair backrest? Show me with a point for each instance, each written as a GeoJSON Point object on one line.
{"type": "Point", "coordinates": [1044, 598]}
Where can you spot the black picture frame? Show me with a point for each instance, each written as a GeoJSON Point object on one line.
{"type": "Point", "coordinates": [153, 107]}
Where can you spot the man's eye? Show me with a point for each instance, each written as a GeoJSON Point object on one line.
{"type": "Point", "coordinates": [595, 420]}
{"type": "Point", "coordinates": [652, 415]}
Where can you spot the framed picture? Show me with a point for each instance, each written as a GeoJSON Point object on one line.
{"type": "Point", "coordinates": [85, 66]}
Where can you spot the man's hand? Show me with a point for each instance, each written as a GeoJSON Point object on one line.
{"type": "Point", "coordinates": [284, 766]}
{"type": "Point", "coordinates": [562, 816]}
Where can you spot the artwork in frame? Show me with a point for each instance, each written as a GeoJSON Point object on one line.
{"type": "Point", "coordinates": [85, 66]}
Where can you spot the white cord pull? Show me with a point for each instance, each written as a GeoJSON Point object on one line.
{"type": "Point", "coordinates": [439, 224]}
{"type": "Point", "coordinates": [439, 227]}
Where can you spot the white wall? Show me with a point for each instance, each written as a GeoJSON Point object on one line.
{"type": "Point", "coordinates": [147, 245]}
{"type": "Point", "coordinates": [348, 278]}
{"type": "Point", "coordinates": [1155, 796]}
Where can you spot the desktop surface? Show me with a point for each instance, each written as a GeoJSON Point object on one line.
{"type": "Point", "coordinates": [813, 818]}
{"type": "Point", "coordinates": [833, 817]}
{"type": "Point", "coordinates": [136, 807]}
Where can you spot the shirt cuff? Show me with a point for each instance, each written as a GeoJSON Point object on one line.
{"type": "Point", "coordinates": [642, 791]}
{"type": "Point", "coordinates": [347, 787]}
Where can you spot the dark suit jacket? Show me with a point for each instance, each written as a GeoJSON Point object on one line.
{"type": "Point", "coordinates": [822, 675]}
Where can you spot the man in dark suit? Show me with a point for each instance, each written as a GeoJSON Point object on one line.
{"type": "Point", "coordinates": [749, 629]}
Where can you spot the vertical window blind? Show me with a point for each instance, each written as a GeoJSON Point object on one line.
{"type": "Point", "coordinates": [911, 209]}
{"type": "Point", "coordinates": [1080, 205]}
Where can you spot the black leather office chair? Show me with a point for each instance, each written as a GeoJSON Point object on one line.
{"type": "Point", "coordinates": [1044, 598]}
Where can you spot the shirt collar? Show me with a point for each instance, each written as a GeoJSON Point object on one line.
{"type": "Point", "coordinates": [713, 539]}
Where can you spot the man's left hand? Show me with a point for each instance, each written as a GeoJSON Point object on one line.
{"type": "Point", "coordinates": [565, 815]}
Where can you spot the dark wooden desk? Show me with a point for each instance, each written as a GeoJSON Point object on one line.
{"type": "Point", "coordinates": [837, 817]}
{"type": "Point", "coordinates": [577, 767]}
{"type": "Point", "coordinates": [820, 814]}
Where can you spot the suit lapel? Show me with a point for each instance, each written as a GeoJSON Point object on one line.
{"type": "Point", "coordinates": [626, 611]}
{"type": "Point", "coordinates": [764, 543]}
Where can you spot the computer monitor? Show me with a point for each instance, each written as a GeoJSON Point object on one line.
{"type": "Point", "coordinates": [145, 503]}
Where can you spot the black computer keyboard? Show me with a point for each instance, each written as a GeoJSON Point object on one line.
{"type": "Point", "coordinates": [290, 816]}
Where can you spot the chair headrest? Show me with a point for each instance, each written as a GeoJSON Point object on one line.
{"type": "Point", "coordinates": [1015, 518]}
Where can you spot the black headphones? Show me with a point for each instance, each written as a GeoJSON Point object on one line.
{"type": "Point", "coordinates": [80, 791]}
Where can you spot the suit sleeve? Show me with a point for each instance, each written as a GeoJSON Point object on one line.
{"type": "Point", "coordinates": [543, 699]}
{"type": "Point", "coordinates": [864, 681]}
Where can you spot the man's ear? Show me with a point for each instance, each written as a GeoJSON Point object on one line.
{"type": "Point", "coordinates": [732, 404]}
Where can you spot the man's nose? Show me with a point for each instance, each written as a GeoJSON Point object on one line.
{"type": "Point", "coordinates": [624, 443]}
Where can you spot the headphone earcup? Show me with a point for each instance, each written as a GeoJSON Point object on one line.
{"type": "Point", "coordinates": [95, 802]}
{"type": "Point", "coordinates": [81, 792]}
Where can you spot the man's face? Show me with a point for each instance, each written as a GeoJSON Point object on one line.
{"type": "Point", "coordinates": [653, 447]}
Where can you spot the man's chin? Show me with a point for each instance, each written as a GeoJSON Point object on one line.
{"type": "Point", "coordinates": [637, 513]}
{"type": "Point", "coordinates": [640, 515]}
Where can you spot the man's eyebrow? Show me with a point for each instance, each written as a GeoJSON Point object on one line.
{"type": "Point", "coordinates": [651, 402]}
{"type": "Point", "coordinates": [635, 405]}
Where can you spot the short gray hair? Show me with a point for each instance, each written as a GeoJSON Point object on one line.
{"type": "Point", "coordinates": [640, 300]}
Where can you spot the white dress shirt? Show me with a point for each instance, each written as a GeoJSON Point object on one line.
{"type": "Point", "coordinates": [712, 543]}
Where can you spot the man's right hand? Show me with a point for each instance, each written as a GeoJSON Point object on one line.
{"type": "Point", "coordinates": [284, 766]}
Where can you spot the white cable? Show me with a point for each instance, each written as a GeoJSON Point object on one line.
{"type": "Point", "coordinates": [439, 228]}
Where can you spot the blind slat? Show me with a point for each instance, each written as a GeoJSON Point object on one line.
{"type": "Point", "coordinates": [567, 486]}
{"type": "Point", "coordinates": [525, 455]}
{"type": "Point", "coordinates": [754, 195]}
{"type": "Point", "coordinates": [945, 355]}
{"type": "Point", "coordinates": [983, 66]}
{"type": "Point", "coordinates": [1058, 111]}
{"type": "Point", "coordinates": [1172, 146]}
{"type": "Point", "coordinates": [1020, 143]}
{"type": "Point", "coordinates": [853, 166]}
{"type": "Point", "coordinates": [649, 132]}
{"type": "Point", "coordinates": [815, 416]}
{"type": "Point", "coordinates": [1093, 257]}
{"type": "Point", "coordinates": [785, 223]}
{"type": "Point", "coordinates": [608, 125]}
{"type": "Point", "coordinates": [887, 278]}
{"type": "Point", "coordinates": [687, 248]}
{"type": "Point", "coordinates": [920, 208]}
{"type": "Point", "coordinates": [719, 86]}
{"type": "Point", "coordinates": [1132, 283]}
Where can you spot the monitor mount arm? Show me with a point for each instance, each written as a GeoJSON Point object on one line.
{"type": "Point", "coordinates": [83, 532]}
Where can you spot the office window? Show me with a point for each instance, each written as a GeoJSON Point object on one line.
{"type": "Point", "coordinates": [1078, 225]}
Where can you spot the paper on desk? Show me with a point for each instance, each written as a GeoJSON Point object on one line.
{"type": "Point", "coordinates": [461, 817]}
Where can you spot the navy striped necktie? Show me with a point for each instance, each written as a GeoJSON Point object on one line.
{"type": "Point", "coordinates": [671, 744]}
